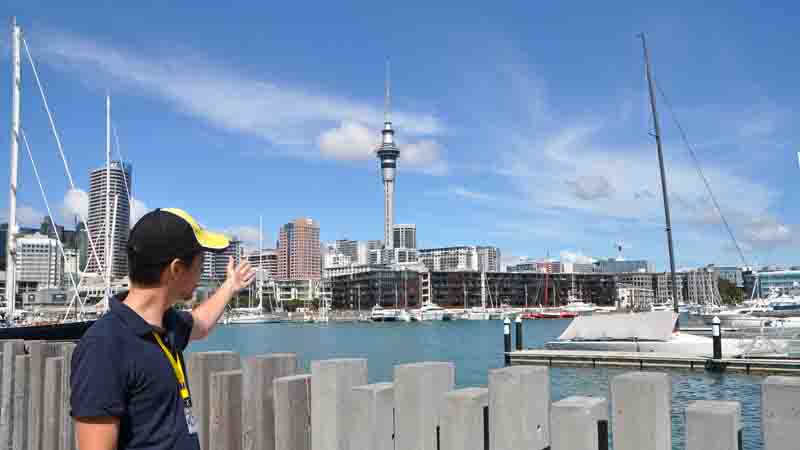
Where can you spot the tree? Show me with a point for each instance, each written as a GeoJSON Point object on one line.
{"type": "Point", "coordinates": [729, 292]}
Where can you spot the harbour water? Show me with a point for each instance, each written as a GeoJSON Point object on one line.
{"type": "Point", "coordinates": [475, 347]}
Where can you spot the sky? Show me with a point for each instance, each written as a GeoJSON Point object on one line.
{"type": "Point", "coordinates": [523, 125]}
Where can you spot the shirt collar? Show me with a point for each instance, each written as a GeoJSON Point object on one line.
{"type": "Point", "coordinates": [130, 318]}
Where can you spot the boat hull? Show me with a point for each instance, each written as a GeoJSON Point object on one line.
{"type": "Point", "coordinates": [67, 331]}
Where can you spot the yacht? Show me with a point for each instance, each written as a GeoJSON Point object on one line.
{"type": "Point", "coordinates": [381, 314]}
{"type": "Point", "coordinates": [251, 317]}
{"type": "Point", "coordinates": [475, 313]}
{"type": "Point", "coordinates": [579, 307]}
{"type": "Point", "coordinates": [637, 332]}
{"type": "Point", "coordinates": [429, 311]}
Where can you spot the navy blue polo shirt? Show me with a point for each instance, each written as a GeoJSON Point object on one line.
{"type": "Point", "coordinates": [119, 370]}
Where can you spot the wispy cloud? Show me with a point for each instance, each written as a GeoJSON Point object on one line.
{"type": "Point", "coordinates": [297, 121]}
{"type": "Point", "coordinates": [463, 192]}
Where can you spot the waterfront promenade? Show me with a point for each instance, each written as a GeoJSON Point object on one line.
{"type": "Point", "coordinates": [266, 402]}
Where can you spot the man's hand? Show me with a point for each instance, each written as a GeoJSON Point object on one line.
{"type": "Point", "coordinates": [241, 276]}
{"type": "Point", "coordinates": [206, 315]}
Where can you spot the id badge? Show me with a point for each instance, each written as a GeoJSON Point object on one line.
{"type": "Point", "coordinates": [191, 421]}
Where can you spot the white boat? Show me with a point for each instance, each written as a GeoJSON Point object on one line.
{"type": "Point", "coordinates": [475, 313]}
{"type": "Point", "coordinates": [637, 332]}
{"type": "Point", "coordinates": [381, 314]}
{"type": "Point", "coordinates": [252, 318]}
{"type": "Point", "coordinates": [404, 316]}
{"type": "Point", "coordinates": [428, 311]}
{"type": "Point", "coordinates": [579, 307]}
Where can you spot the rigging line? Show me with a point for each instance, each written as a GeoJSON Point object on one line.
{"type": "Point", "coordinates": [122, 161]}
{"type": "Point", "coordinates": [700, 173]}
{"type": "Point", "coordinates": [47, 205]}
{"type": "Point", "coordinates": [60, 147]}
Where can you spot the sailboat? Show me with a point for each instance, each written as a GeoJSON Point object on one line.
{"type": "Point", "coordinates": [650, 331]}
{"type": "Point", "coordinates": [246, 316]}
{"type": "Point", "coordinates": [475, 312]}
{"type": "Point", "coordinates": [64, 330]}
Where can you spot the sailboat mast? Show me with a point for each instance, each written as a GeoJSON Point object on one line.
{"type": "Point", "coordinates": [108, 243]}
{"type": "Point", "coordinates": [11, 251]}
{"type": "Point", "coordinates": [260, 263]}
{"type": "Point", "coordinates": [657, 130]}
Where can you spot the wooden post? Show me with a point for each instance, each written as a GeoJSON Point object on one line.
{"type": "Point", "coordinates": [22, 371]}
{"type": "Point", "coordinates": [67, 441]}
{"type": "Point", "coordinates": [293, 412]}
{"type": "Point", "coordinates": [225, 430]}
{"type": "Point", "coordinates": [202, 366]}
{"type": "Point", "coordinates": [51, 419]}
{"type": "Point", "coordinates": [39, 352]}
{"type": "Point", "coordinates": [10, 350]}
{"type": "Point", "coordinates": [259, 411]}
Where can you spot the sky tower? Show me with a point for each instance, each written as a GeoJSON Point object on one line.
{"type": "Point", "coordinates": [388, 153]}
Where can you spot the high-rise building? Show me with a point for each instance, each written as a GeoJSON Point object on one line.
{"type": "Point", "coordinates": [449, 258]}
{"type": "Point", "coordinates": [404, 236]}
{"type": "Point", "coordinates": [101, 213]}
{"type": "Point", "coordinates": [613, 265]}
{"type": "Point", "coordinates": [488, 259]}
{"type": "Point", "coordinates": [388, 153]}
{"type": "Point", "coordinates": [265, 260]}
{"type": "Point", "coordinates": [299, 250]}
{"type": "Point", "coordinates": [39, 261]}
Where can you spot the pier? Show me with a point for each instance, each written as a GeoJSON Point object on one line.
{"type": "Point", "coordinates": [266, 402]}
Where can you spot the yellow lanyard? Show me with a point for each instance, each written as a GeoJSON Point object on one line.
{"type": "Point", "coordinates": [176, 366]}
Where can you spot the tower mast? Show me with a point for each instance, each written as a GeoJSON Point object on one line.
{"type": "Point", "coordinates": [388, 153]}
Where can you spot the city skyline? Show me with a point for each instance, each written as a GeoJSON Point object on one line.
{"type": "Point", "coordinates": [540, 147]}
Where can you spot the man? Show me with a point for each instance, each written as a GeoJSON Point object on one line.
{"type": "Point", "coordinates": [129, 388]}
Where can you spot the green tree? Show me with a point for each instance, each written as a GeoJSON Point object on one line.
{"type": "Point", "coordinates": [729, 292]}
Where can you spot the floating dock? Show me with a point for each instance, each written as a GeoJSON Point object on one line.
{"type": "Point", "coordinates": [642, 360]}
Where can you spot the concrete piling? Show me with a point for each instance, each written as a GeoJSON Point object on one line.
{"type": "Point", "coordinates": [371, 423]}
{"type": "Point", "coordinates": [10, 350]}
{"type": "Point", "coordinates": [418, 391]}
{"type": "Point", "coordinates": [332, 381]}
{"type": "Point", "coordinates": [713, 425]}
{"type": "Point", "coordinates": [464, 420]}
{"type": "Point", "coordinates": [22, 372]}
{"type": "Point", "coordinates": [259, 412]}
{"type": "Point", "coordinates": [225, 428]}
{"type": "Point", "coordinates": [67, 438]}
{"type": "Point", "coordinates": [201, 366]}
{"type": "Point", "coordinates": [519, 407]}
{"type": "Point", "coordinates": [641, 411]}
{"type": "Point", "coordinates": [293, 406]}
{"type": "Point", "coordinates": [518, 331]}
{"type": "Point", "coordinates": [580, 423]}
{"type": "Point", "coordinates": [780, 416]}
{"type": "Point", "coordinates": [39, 352]}
{"type": "Point", "coordinates": [716, 337]}
{"type": "Point", "coordinates": [52, 419]}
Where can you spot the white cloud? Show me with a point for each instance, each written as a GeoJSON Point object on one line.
{"type": "Point", "coordinates": [349, 141]}
{"type": "Point", "coordinates": [578, 257]}
{"type": "Point", "coordinates": [28, 216]}
{"type": "Point", "coordinates": [461, 191]}
{"type": "Point", "coordinates": [292, 118]}
{"type": "Point", "coordinates": [246, 233]}
{"type": "Point", "coordinates": [76, 203]}
{"type": "Point", "coordinates": [138, 209]}
{"type": "Point", "coordinates": [591, 187]}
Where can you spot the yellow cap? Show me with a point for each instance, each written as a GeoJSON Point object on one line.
{"type": "Point", "coordinates": [206, 239]}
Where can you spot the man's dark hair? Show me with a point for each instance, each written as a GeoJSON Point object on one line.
{"type": "Point", "coordinates": [148, 273]}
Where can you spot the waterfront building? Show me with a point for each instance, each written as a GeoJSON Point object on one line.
{"type": "Point", "coordinates": [778, 280]}
{"type": "Point", "coordinates": [378, 285]}
{"type": "Point", "coordinates": [663, 286]}
{"type": "Point", "coordinates": [702, 285]}
{"type": "Point", "coordinates": [616, 265]}
{"type": "Point", "coordinates": [488, 259]}
{"type": "Point", "coordinates": [39, 261]}
{"type": "Point", "coordinates": [102, 213]}
{"type": "Point", "coordinates": [299, 250]}
{"type": "Point", "coordinates": [265, 260]}
{"type": "Point", "coordinates": [404, 236]}
{"type": "Point", "coordinates": [731, 274]}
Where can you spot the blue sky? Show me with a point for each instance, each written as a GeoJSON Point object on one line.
{"type": "Point", "coordinates": [523, 125]}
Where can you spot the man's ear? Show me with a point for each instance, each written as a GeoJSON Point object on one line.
{"type": "Point", "coordinates": [175, 268]}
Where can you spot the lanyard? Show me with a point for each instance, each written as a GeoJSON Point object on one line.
{"type": "Point", "coordinates": [178, 368]}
